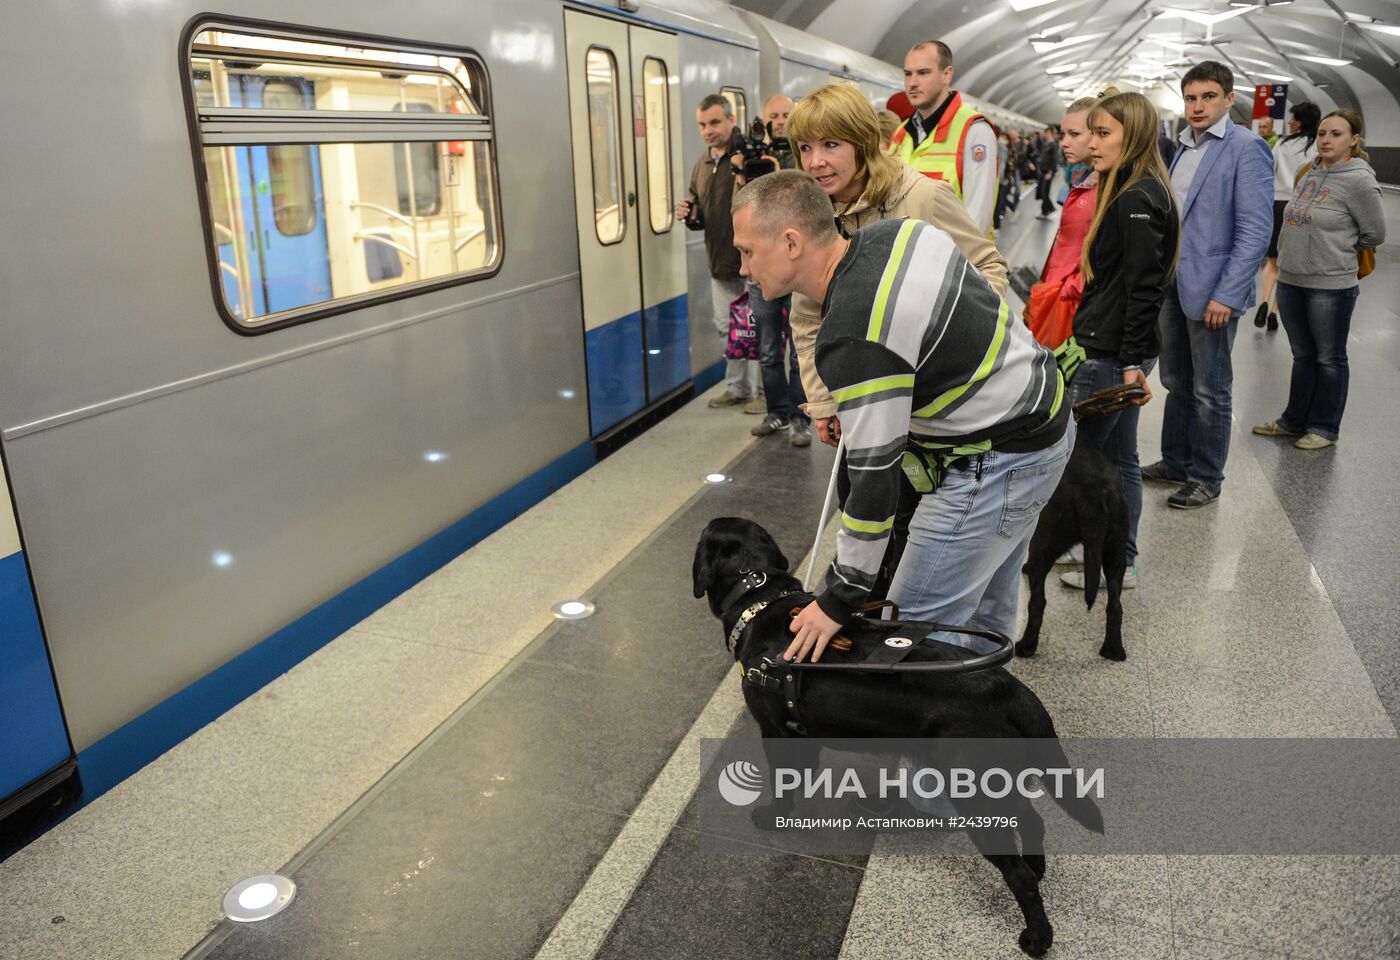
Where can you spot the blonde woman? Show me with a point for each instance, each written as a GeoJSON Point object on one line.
{"type": "Point", "coordinates": [1127, 260]}
{"type": "Point", "coordinates": [835, 135]}
{"type": "Point", "coordinates": [1335, 212]}
{"type": "Point", "coordinates": [1060, 278]}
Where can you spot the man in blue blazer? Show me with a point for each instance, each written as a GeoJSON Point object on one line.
{"type": "Point", "coordinates": [1222, 177]}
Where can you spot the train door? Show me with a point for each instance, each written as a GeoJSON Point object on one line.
{"type": "Point", "coordinates": [282, 210]}
{"type": "Point", "coordinates": [632, 259]}
{"type": "Point", "coordinates": [656, 98]}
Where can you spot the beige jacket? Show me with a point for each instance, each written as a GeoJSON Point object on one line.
{"type": "Point", "coordinates": [915, 197]}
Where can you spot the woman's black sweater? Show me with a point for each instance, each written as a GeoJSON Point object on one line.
{"type": "Point", "coordinates": [1131, 259]}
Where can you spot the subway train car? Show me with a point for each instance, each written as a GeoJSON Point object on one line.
{"type": "Point", "coordinates": [303, 298]}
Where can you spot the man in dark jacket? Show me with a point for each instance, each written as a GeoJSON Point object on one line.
{"type": "Point", "coordinates": [707, 208]}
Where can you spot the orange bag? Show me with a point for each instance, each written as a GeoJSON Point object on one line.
{"type": "Point", "coordinates": [1051, 319]}
{"type": "Point", "coordinates": [1365, 262]}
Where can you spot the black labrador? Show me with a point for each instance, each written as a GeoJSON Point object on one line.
{"type": "Point", "coordinates": [980, 704]}
{"type": "Point", "coordinates": [1087, 507]}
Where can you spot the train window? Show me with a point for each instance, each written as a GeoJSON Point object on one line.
{"type": "Point", "coordinates": [336, 175]}
{"type": "Point", "coordinates": [656, 98]}
{"type": "Point", "coordinates": [416, 172]}
{"type": "Point", "coordinates": [605, 145]}
{"type": "Point", "coordinates": [289, 168]}
{"type": "Point", "coordinates": [740, 103]}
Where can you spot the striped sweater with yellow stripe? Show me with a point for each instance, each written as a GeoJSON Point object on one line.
{"type": "Point", "coordinates": [917, 348]}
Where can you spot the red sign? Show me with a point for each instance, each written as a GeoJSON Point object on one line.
{"type": "Point", "coordinates": [1270, 100]}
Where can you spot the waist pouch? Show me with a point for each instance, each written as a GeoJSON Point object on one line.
{"type": "Point", "coordinates": [923, 468]}
{"type": "Point", "coordinates": [1068, 357]}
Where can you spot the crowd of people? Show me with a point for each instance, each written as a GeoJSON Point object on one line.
{"type": "Point", "coordinates": [866, 256]}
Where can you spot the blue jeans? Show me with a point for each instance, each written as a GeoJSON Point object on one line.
{"type": "Point", "coordinates": [1317, 322]}
{"type": "Point", "coordinates": [782, 387]}
{"type": "Point", "coordinates": [968, 540]}
{"type": "Point", "coordinates": [1199, 378]}
{"type": "Point", "coordinates": [1115, 434]}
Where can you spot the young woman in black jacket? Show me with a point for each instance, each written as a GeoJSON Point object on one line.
{"type": "Point", "coordinates": [1129, 257]}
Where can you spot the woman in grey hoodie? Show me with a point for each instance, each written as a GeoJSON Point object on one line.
{"type": "Point", "coordinates": [1335, 212]}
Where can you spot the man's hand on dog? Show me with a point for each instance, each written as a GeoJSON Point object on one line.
{"type": "Point", "coordinates": [814, 630]}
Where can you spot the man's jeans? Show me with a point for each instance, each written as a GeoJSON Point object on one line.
{"type": "Point", "coordinates": [1317, 322]}
{"type": "Point", "coordinates": [781, 387]}
{"type": "Point", "coordinates": [740, 376]}
{"type": "Point", "coordinates": [1116, 434]}
{"type": "Point", "coordinates": [1199, 378]}
{"type": "Point", "coordinates": [968, 540]}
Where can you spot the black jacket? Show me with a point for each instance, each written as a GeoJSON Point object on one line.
{"type": "Point", "coordinates": [1049, 158]}
{"type": "Point", "coordinates": [1132, 259]}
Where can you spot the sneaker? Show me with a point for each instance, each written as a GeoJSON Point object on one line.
{"type": "Point", "coordinates": [800, 433]}
{"type": "Point", "coordinates": [1273, 322]}
{"type": "Point", "coordinates": [1073, 557]}
{"type": "Point", "coordinates": [1313, 441]}
{"type": "Point", "coordinates": [728, 400]}
{"type": "Point", "coordinates": [757, 405]}
{"type": "Point", "coordinates": [1158, 473]}
{"type": "Point", "coordinates": [1275, 429]}
{"type": "Point", "coordinates": [771, 424]}
{"type": "Point", "coordinates": [1261, 314]}
{"type": "Point", "coordinates": [1075, 579]}
{"type": "Point", "coordinates": [1192, 495]}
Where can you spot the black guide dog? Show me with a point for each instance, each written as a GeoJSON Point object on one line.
{"type": "Point", "coordinates": [980, 704]}
{"type": "Point", "coordinates": [1087, 507]}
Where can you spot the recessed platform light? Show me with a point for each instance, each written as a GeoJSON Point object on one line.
{"type": "Point", "coordinates": [435, 456]}
{"type": "Point", "coordinates": [221, 558]}
{"type": "Point", "coordinates": [258, 898]}
{"type": "Point", "coordinates": [717, 478]}
{"type": "Point", "coordinates": [572, 610]}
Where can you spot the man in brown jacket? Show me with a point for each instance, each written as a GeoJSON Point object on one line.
{"type": "Point", "coordinates": [707, 208]}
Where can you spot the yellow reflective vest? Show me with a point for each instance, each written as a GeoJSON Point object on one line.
{"type": "Point", "coordinates": [940, 154]}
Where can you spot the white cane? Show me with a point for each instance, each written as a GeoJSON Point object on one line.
{"type": "Point", "coordinates": [826, 508]}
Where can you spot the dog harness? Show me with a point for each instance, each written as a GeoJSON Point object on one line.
{"type": "Point", "coordinates": [884, 646]}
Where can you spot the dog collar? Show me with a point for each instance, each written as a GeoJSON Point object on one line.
{"type": "Point", "coordinates": [752, 580]}
{"type": "Point", "coordinates": [748, 615]}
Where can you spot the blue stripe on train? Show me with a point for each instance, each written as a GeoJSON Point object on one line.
{"type": "Point", "coordinates": [129, 748]}
{"type": "Point", "coordinates": [616, 361]}
{"type": "Point", "coordinates": [668, 346]}
{"type": "Point", "coordinates": [615, 386]}
{"type": "Point", "coordinates": [33, 739]}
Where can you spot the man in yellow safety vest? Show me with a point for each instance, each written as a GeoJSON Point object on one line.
{"type": "Point", "coordinates": [945, 138]}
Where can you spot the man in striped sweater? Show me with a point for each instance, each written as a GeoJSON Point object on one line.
{"type": "Point", "coordinates": [932, 375]}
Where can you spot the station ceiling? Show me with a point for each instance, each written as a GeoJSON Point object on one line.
{"type": "Point", "coordinates": [1031, 56]}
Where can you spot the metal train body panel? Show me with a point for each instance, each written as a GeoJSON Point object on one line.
{"type": "Point", "coordinates": [186, 491]}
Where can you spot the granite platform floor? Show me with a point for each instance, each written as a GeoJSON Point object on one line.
{"type": "Point", "coordinates": [441, 785]}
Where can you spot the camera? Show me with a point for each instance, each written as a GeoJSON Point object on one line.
{"type": "Point", "coordinates": [757, 147]}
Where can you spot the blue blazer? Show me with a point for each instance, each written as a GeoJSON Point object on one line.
{"type": "Point", "coordinates": [1226, 222]}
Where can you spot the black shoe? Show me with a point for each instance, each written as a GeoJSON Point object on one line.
{"type": "Point", "coordinates": [1260, 314]}
{"type": "Point", "coordinates": [1192, 495]}
{"type": "Point", "coordinates": [1158, 473]}
{"type": "Point", "coordinates": [1273, 322]}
